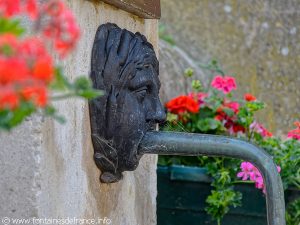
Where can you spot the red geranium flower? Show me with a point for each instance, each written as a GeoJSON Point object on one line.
{"type": "Point", "coordinates": [13, 70]}
{"type": "Point", "coordinates": [259, 128]}
{"type": "Point", "coordinates": [9, 99]}
{"type": "Point", "coordinates": [198, 97]}
{"type": "Point", "coordinates": [249, 98]}
{"type": "Point", "coordinates": [295, 134]}
{"type": "Point", "coordinates": [43, 69]}
{"type": "Point", "coordinates": [31, 8]}
{"type": "Point", "coordinates": [229, 122]}
{"type": "Point", "coordinates": [232, 105]}
{"type": "Point", "coordinates": [61, 28]}
{"type": "Point", "coordinates": [182, 104]}
{"type": "Point", "coordinates": [9, 8]}
{"type": "Point", "coordinates": [37, 94]}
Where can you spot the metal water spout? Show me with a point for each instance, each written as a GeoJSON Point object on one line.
{"type": "Point", "coordinates": [124, 65]}
{"type": "Point", "coordinates": [175, 143]}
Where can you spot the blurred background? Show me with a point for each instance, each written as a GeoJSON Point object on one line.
{"type": "Point", "coordinates": [256, 41]}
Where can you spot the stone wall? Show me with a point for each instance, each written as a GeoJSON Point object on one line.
{"type": "Point", "coordinates": [47, 169]}
{"type": "Point", "coordinates": [258, 40]}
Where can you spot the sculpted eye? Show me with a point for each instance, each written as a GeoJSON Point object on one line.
{"type": "Point", "coordinates": [142, 66]}
{"type": "Point", "coordinates": [141, 92]}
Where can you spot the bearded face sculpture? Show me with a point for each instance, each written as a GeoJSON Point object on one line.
{"type": "Point", "coordinates": [125, 67]}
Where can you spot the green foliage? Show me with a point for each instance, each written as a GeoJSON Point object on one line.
{"type": "Point", "coordinates": [10, 119]}
{"type": "Point", "coordinates": [214, 67]}
{"type": "Point", "coordinates": [286, 153]}
{"type": "Point", "coordinates": [81, 87]}
{"type": "Point", "coordinates": [12, 26]}
{"type": "Point", "coordinates": [220, 201]}
{"type": "Point", "coordinates": [50, 111]}
{"type": "Point", "coordinates": [164, 36]}
{"type": "Point", "coordinates": [208, 124]}
{"type": "Point", "coordinates": [293, 213]}
{"type": "Point", "coordinates": [189, 72]}
{"type": "Point", "coordinates": [197, 85]}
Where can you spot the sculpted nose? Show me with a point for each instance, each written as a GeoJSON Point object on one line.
{"type": "Point", "coordinates": [158, 114]}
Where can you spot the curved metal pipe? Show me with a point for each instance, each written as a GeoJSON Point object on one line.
{"type": "Point", "coordinates": [178, 143]}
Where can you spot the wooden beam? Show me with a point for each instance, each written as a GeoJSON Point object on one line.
{"type": "Point", "coordinates": [148, 9]}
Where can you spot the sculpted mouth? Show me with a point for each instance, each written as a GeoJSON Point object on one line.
{"type": "Point", "coordinates": [151, 126]}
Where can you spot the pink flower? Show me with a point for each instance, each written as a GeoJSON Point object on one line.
{"type": "Point", "coordinates": [278, 169]}
{"type": "Point", "coordinates": [259, 128]}
{"type": "Point", "coordinates": [259, 184]}
{"type": "Point", "coordinates": [199, 97]}
{"type": "Point", "coordinates": [225, 84]}
{"type": "Point", "coordinates": [249, 171]}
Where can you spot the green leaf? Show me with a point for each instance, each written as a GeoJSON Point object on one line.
{"type": "Point", "coordinates": [51, 112]}
{"type": "Point", "coordinates": [26, 109]}
{"type": "Point", "coordinates": [89, 94]}
{"type": "Point", "coordinates": [163, 36]}
{"type": "Point", "coordinates": [219, 202]}
{"type": "Point", "coordinates": [214, 62]}
{"type": "Point", "coordinates": [206, 112]}
{"type": "Point", "coordinates": [6, 50]}
{"type": "Point", "coordinates": [162, 160]}
{"type": "Point", "coordinates": [82, 83]}
{"type": "Point", "coordinates": [60, 82]}
{"type": "Point", "coordinates": [197, 85]}
{"type": "Point", "coordinates": [255, 106]}
{"type": "Point", "coordinates": [5, 117]}
{"type": "Point", "coordinates": [229, 112]}
{"type": "Point", "coordinates": [12, 26]}
{"type": "Point", "coordinates": [10, 119]}
{"type": "Point", "coordinates": [189, 72]}
{"type": "Point", "coordinates": [83, 88]}
{"type": "Point", "coordinates": [208, 124]}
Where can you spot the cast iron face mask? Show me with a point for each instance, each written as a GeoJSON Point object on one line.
{"type": "Point", "coordinates": [125, 67]}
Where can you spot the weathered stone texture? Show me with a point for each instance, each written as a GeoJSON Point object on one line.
{"type": "Point", "coordinates": [47, 169]}
{"type": "Point", "coordinates": [258, 40]}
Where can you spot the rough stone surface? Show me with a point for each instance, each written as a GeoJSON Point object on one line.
{"type": "Point", "coordinates": [257, 40]}
{"type": "Point", "coordinates": [19, 162]}
{"type": "Point", "coordinates": [173, 62]}
{"type": "Point", "coordinates": [47, 169]}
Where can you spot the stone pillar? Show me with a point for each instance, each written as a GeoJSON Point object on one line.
{"type": "Point", "coordinates": [47, 169]}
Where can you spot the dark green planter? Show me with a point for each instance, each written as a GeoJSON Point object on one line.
{"type": "Point", "coordinates": [182, 192]}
